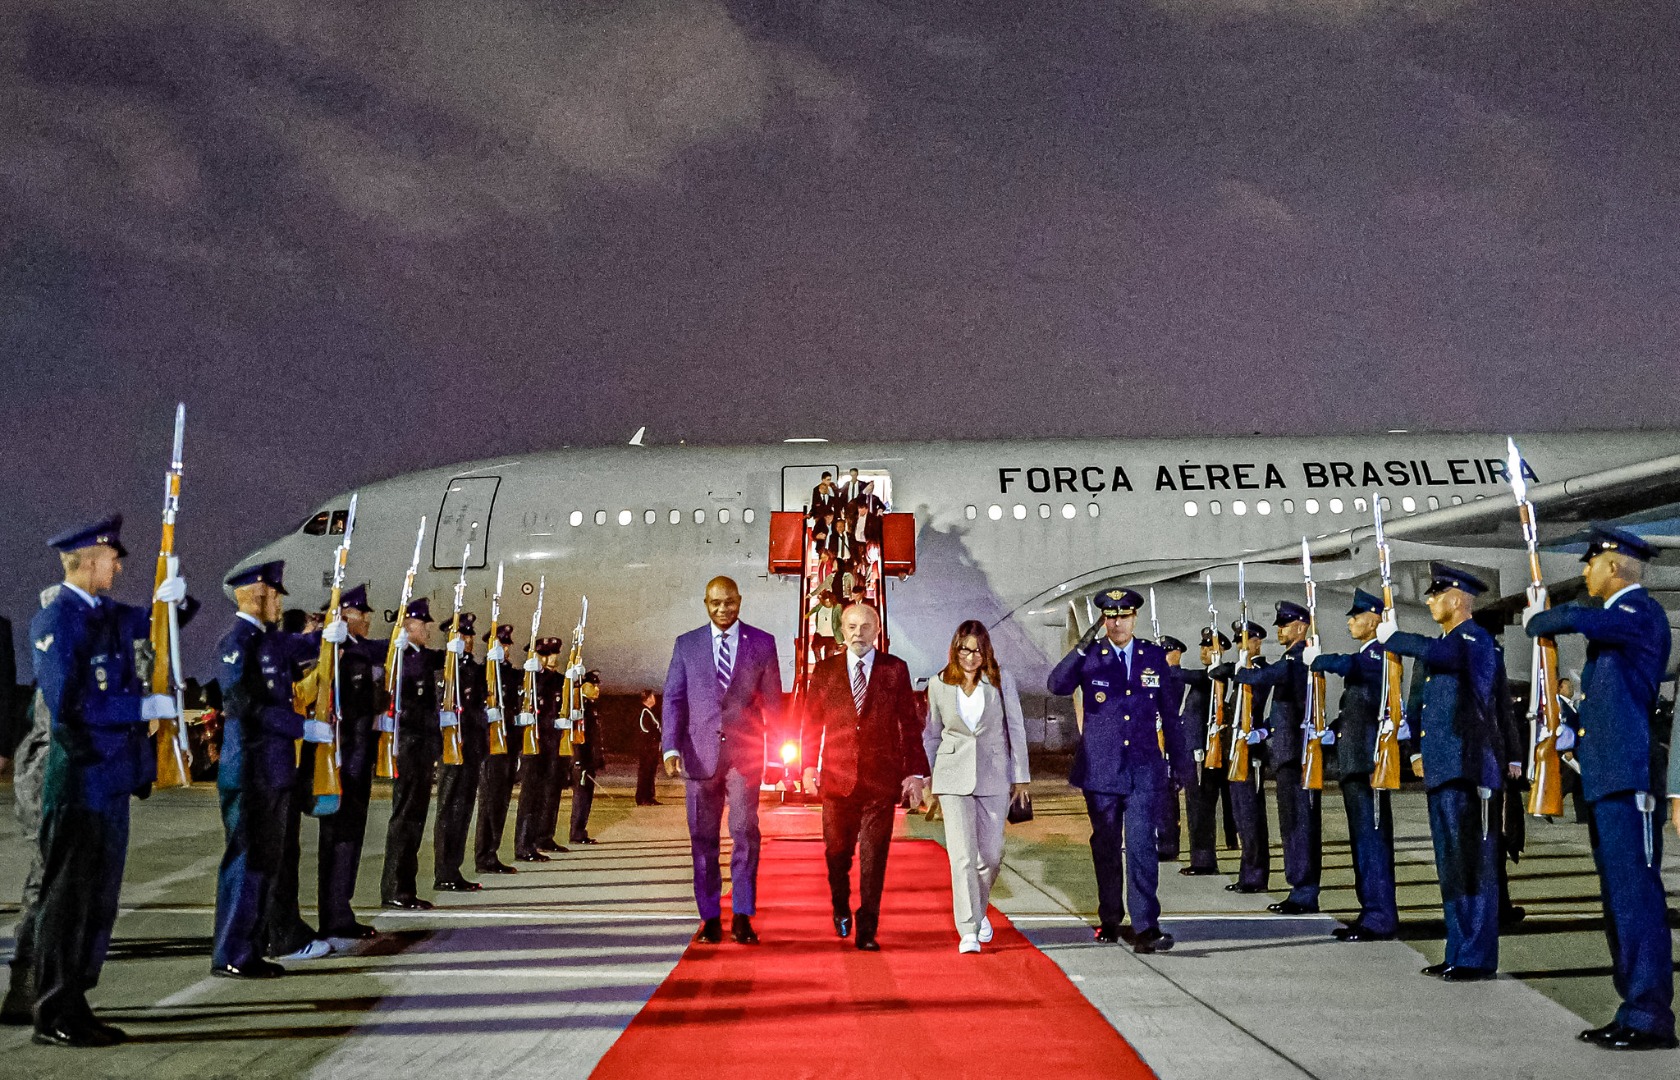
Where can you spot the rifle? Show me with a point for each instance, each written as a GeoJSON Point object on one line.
{"type": "Point", "coordinates": [1238, 771]}
{"type": "Point", "coordinates": [385, 760]}
{"type": "Point", "coordinates": [1312, 749]}
{"type": "Point", "coordinates": [327, 789]}
{"type": "Point", "coordinates": [174, 754]}
{"type": "Point", "coordinates": [1545, 798]}
{"type": "Point", "coordinates": [571, 701]}
{"type": "Point", "coordinates": [1213, 753]}
{"type": "Point", "coordinates": [1155, 631]}
{"type": "Point", "coordinates": [449, 718]}
{"type": "Point", "coordinates": [528, 686]}
{"type": "Point", "coordinates": [1385, 773]}
{"type": "Point", "coordinates": [493, 676]}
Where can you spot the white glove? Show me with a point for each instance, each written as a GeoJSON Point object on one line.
{"type": "Point", "coordinates": [1535, 606]}
{"type": "Point", "coordinates": [401, 640]}
{"type": "Point", "coordinates": [1327, 737]}
{"type": "Point", "coordinates": [336, 632]}
{"type": "Point", "coordinates": [563, 723]}
{"type": "Point", "coordinates": [171, 590]}
{"type": "Point", "coordinates": [458, 646]}
{"type": "Point", "coordinates": [317, 731]}
{"type": "Point", "coordinates": [448, 719]}
{"type": "Point", "coordinates": [1255, 737]}
{"type": "Point", "coordinates": [576, 672]}
{"type": "Point", "coordinates": [158, 706]}
{"type": "Point", "coordinates": [1405, 730]}
{"type": "Point", "coordinates": [385, 722]}
{"type": "Point", "coordinates": [525, 719]}
{"type": "Point", "coordinates": [493, 716]}
{"type": "Point", "coordinates": [1310, 653]}
{"type": "Point", "coordinates": [1387, 627]}
{"type": "Point", "coordinates": [532, 664]}
{"type": "Point", "coordinates": [495, 654]}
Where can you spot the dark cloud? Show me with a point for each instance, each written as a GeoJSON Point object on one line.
{"type": "Point", "coordinates": [364, 238]}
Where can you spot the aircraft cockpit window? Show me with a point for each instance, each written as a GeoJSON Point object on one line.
{"type": "Point", "coordinates": [1312, 506]}
{"type": "Point", "coordinates": [699, 517]}
{"type": "Point", "coordinates": [747, 515]}
{"type": "Point", "coordinates": [1289, 506]}
{"type": "Point", "coordinates": [576, 519]}
{"type": "Point", "coordinates": [650, 517]}
{"type": "Point", "coordinates": [1069, 511]}
{"type": "Point", "coordinates": [600, 517]}
{"type": "Point", "coordinates": [317, 525]}
{"type": "Point", "coordinates": [676, 517]}
{"type": "Point", "coordinates": [995, 512]}
{"type": "Point", "coordinates": [1044, 511]}
{"type": "Point", "coordinates": [1213, 507]}
{"type": "Point", "coordinates": [1336, 506]}
{"type": "Point", "coordinates": [1263, 508]}
{"type": "Point", "coordinates": [1093, 509]}
{"type": "Point", "coordinates": [1191, 508]}
{"type": "Point", "coordinates": [339, 517]}
{"type": "Point", "coordinates": [1020, 512]}
{"type": "Point", "coordinates": [1408, 504]}
{"type": "Point", "coordinates": [624, 517]}
{"type": "Point", "coordinates": [1238, 507]}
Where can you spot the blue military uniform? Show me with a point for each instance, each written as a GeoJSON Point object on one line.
{"type": "Point", "coordinates": [1628, 642]}
{"type": "Point", "coordinates": [1370, 818]}
{"type": "Point", "coordinates": [1201, 799]}
{"type": "Point", "coordinates": [255, 779]}
{"type": "Point", "coordinates": [1462, 747]}
{"type": "Point", "coordinates": [419, 746]}
{"type": "Point", "coordinates": [1300, 814]}
{"type": "Point", "coordinates": [1119, 766]}
{"type": "Point", "coordinates": [343, 833]}
{"type": "Point", "coordinates": [1248, 797]}
{"type": "Point", "coordinates": [457, 788]}
{"type": "Point", "coordinates": [501, 771]}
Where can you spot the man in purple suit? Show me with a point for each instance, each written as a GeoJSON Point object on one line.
{"type": "Point", "coordinates": [723, 687]}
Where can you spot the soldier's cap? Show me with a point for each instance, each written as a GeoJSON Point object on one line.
{"type": "Point", "coordinates": [1112, 602]}
{"type": "Point", "coordinates": [1288, 611]}
{"type": "Point", "coordinates": [592, 677]}
{"type": "Point", "coordinates": [1172, 644]}
{"type": "Point", "coordinates": [1609, 538]}
{"type": "Point", "coordinates": [419, 609]}
{"type": "Point", "coordinates": [549, 646]}
{"type": "Point", "coordinates": [504, 634]}
{"type": "Point", "coordinates": [1364, 601]}
{"type": "Point", "coordinates": [1444, 576]}
{"type": "Point", "coordinates": [1255, 630]}
{"type": "Point", "coordinates": [106, 531]}
{"type": "Point", "coordinates": [1209, 633]}
{"type": "Point", "coordinates": [355, 599]}
{"type": "Point", "coordinates": [469, 624]}
{"type": "Point", "coordinates": [272, 574]}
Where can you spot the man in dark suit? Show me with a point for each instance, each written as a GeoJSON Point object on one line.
{"type": "Point", "coordinates": [861, 723]}
{"type": "Point", "coordinates": [723, 691]}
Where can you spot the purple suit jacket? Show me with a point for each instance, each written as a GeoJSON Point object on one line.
{"type": "Point", "coordinates": [700, 725]}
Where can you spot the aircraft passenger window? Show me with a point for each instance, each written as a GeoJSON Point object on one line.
{"type": "Point", "coordinates": [1289, 506]}
{"type": "Point", "coordinates": [723, 516]}
{"type": "Point", "coordinates": [1386, 505]}
{"type": "Point", "coordinates": [1434, 503]}
{"type": "Point", "coordinates": [1044, 511]}
{"type": "Point", "coordinates": [1092, 509]}
{"type": "Point", "coordinates": [650, 517]}
{"type": "Point", "coordinates": [600, 517]}
{"type": "Point", "coordinates": [1213, 507]}
{"type": "Point", "coordinates": [1191, 509]}
{"type": "Point", "coordinates": [1335, 506]}
{"type": "Point", "coordinates": [1238, 507]}
{"type": "Point", "coordinates": [1479, 498]}
{"type": "Point", "coordinates": [1408, 504]}
{"type": "Point", "coordinates": [1360, 505]}
{"type": "Point", "coordinates": [624, 517]}
{"type": "Point", "coordinates": [1458, 500]}
{"type": "Point", "coordinates": [1312, 506]}
{"type": "Point", "coordinates": [1263, 507]}
{"type": "Point", "coordinates": [995, 512]}
{"type": "Point", "coordinates": [1068, 511]}
{"type": "Point", "coordinates": [971, 512]}
{"type": "Point", "coordinates": [699, 517]}
{"type": "Point", "coordinates": [1020, 512]}
{"type": "Point", "coordinates": [576, 519]}
{"type": "Point", "coordinates": [317, 525]}
{"type": "Point", "coordinates": [676, 517]}
{"type": "Point", "coordinates": [747, 515]}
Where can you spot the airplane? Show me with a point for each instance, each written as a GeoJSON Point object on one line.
{"type": "Point", "coordinates": [1017, 533]}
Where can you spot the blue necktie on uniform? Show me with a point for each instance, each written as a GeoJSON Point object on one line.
{"type": "Point", "coordinates": [725, 666]}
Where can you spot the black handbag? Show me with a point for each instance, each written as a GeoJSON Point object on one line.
{"type": "Point", "coordinates": [1020, 809]}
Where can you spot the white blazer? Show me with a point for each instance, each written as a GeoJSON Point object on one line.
{"type": "Point", "coordinates": [982, 761]}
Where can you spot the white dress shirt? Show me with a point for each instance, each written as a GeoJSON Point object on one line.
{"type": "Point", "coordinates": [86, 596]}
{"type": "Point", "coordinates": [971, 707]}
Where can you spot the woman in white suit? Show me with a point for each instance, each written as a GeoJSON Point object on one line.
{"type": "Point", "coordinates": [977, 742]}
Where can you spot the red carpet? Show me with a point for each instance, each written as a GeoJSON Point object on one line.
{"type": "Point", "coordinates": [805, 1004]}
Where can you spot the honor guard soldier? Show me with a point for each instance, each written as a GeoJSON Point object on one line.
{"type": "Point", "coordinates": [257, 776]}
{"type": "Point", "coordinates": [1461, 747]}
{"type": "Point", "coordinates": [1299, 811]}
{"type": "Point", "coordinates": [361, 700]}
{"type": "Point", "coordinates": [419, 745]}
{"type": "Point", "coordinates": [1129, 693]}
{"type": "Point", "coordinates": [1166, 836]}
{"type": "Point", "coordinates": [458, 784]}
{"type": "Point", "coordinates": [587, 758]}
{"type": "Point", "coordinates": [92, 656]}
{"type": "Point", "coordinates": [1201, 799]}
{"type": "Point", "coordinates": [1370, 819]}
{"type": "Point", "coordinates": [539, 791]}
{"type": "Point", "coordinates": [495, 786]}
{"type": "Point", "coordinates": [1248, 797]}
{"type": "Point", "coordinates": [1628, 641]}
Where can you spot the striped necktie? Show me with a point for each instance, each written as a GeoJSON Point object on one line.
{"type": "Point", "coordinates": [860, 686]}
{"type": "Point", "coordinates": [725, 665]}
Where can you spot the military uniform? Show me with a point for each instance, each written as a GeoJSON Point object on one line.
{"type": "Point", "coordinates": [419, 746]}
{"type": "Point", "coordinates": [1167, 832]}
{"type": "Point", "coordinates": [458, 784]}
{"type": "Point", "coordinates": [361, 699]}
{"type": "Point", "coordinates": [1119, 766]}
{"type": "Point", "coordinates": [587, 762]}
{"type": "Point", "coordinates": [1248, 797]}
{"type": "Point", "coordinates": [500, 772]}
{"type": "Point", "coordinates": [1370, 819]}
{"type": "Point", "coordinates": [1462, 747]}
{"type": "Point", "coordinates": [1202, 798]}
{"type": "Point", "coordinates": [1628, 642]}
{"type": "Point", "coordinates": [539, 784]}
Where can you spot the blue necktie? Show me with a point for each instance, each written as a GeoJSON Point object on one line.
{"type": "Point", "coordinates": [725, 666]}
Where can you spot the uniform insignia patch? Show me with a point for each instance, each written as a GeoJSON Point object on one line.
{"type": "Point", "coordinates": [45, 643]}
{"type": "Point", "coordinates": [1101, 697]}
{"type": "Point", "coordinates": [231, 658]}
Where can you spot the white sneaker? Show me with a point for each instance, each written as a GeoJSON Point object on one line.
{"type": "Point", "coordinates": [312, 951]}
{"type": "Point", "coordinates": [985, 930]}
{"type": "Point", "coordinates": [969, 943]}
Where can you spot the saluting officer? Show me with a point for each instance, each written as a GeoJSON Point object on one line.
{"type": "Point", "coordinates": [539, 793]}
{"type": "Point", "coordinates": [361, 699]}
{"type": "Point", "coordinates": [419, 745]}
{"type": "Point", "coordinates": [1299, 811]}
{"type": "Point", "coordinates": [1128, 690]}
{"type": "Point", "coordinates": [458, 784]}
{"type": "Point", "coordinates": [1248, 797]}
{"type": "Point", "coordinates": [257, 776]}
{"type": "Point", "coordinates": [1369, 816]}
{"type": "Point", "coordinates": [1628, 643]}
{"type": "Point", "coordinates": [92, 657]}
{"type": "Point", "coordinates": [1461, 747]}
{"type": "Point", "coordinates": [1201, 799]}
{"type": "Point", "coordinates": [496, 780]}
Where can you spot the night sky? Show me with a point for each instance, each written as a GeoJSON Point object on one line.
{"type": "Point", "coordinates": [364, 238]}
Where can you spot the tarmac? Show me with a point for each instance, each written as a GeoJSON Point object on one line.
{"type": "Point", "coordinates": [537, 974]}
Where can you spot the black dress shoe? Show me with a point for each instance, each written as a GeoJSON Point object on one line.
{"type": "Point", "coordinates": [710, 932]}
{"type": "Point", "coordinates": [1152, 941]}
{"type": "Point", "coordinates": [1512, 915]}
{"type": "Point", "coordinates": [456, 885]}
{"type": "Point", "coordinates": [741, 929]}
{"type": "Point", "coordinates": [1239, 887]}
{"type": "Point", "coordinates": [550, 845]}
{"type": "Point", "coordinates": [498, 868]}
{"type": "Point", "coordinates": [353, 932]}
{"type": "Point", "coordinates": [1290, 907]}
{"type": "Point", "coordinates": [842, 925]}
{"type": "Point", "coordinates": [408, 903]}
{"type": "Point", "coordinates": [1198, 871]}
{"type": "Point", "coordinates": [1166, 856]}
{"type": "Point", "coordinates": [1435, 971]}
{"type": "Point", "coordinates": [867, 944]}
{"type": "Point", "coordinates": [1598, 1036]}
{"type": "Point", "coordinates": [256, 969]}
{"type": "Point", "coordinates": [69, 1034]}
{"type": "Point", "coordinates": [1357, 932]}
{"type": "Point", "coordinates": [532, 856]}
{"type": "Point", "coordinates": [112, 1034]}
{"type": "Point", "coordinates": [1629, 1039]}
{"type": "Point", "coordinates": [1461, 973]}
{"type": "Point", "coordinates": [585, 840]}
{"type": "Point", "coordinates": [1113, 933]}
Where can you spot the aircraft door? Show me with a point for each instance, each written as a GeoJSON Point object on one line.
{"type": "Point", "coordinates": [467, 501]}
{"type": "Point", "coordinates": [798, 481]}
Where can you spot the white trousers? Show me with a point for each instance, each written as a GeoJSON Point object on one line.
{"type": "Point", "coordinates": [974, 842]}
